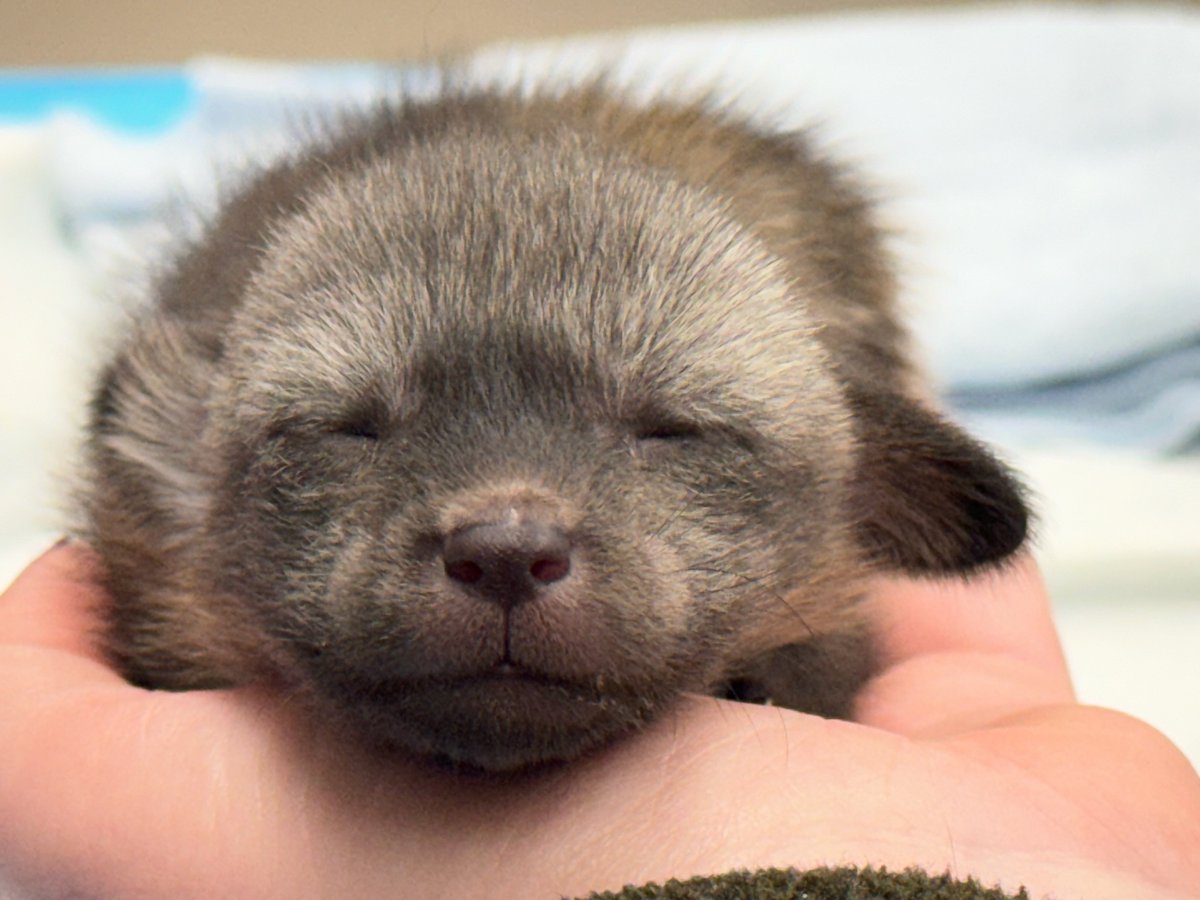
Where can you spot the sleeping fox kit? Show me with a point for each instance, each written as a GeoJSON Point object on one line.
{"type": "Point", "coordinates": [488, 424]}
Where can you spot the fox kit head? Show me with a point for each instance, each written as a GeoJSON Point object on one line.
{"type": "Point", "coordinates": [506, 440]}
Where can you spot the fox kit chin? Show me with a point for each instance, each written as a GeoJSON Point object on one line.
{"type": "Point", "coordinates": [491, 423]}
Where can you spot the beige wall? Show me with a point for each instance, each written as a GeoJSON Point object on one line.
{"type": "Point", "coordinates": [74, 32]}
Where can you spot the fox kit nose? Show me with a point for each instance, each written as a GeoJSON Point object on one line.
{"type": "Point", "coordinates": [507, 562]}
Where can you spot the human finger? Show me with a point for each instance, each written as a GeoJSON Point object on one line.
{"type": "Point", "coordinates": [959, 653]}
{"type": "Point", "coordinates": [55, 604]}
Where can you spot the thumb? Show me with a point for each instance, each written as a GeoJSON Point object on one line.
{"type": "Point", "coordinates": [963, 653]}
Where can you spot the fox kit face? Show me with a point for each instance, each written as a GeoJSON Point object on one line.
{"type": "Point", "coordinates": [499, 497]}
{"type": "Point", "coordinates": [507, 439]}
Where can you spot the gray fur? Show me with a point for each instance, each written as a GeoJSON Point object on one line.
{"type": "Point", "coordinates": [658, 332]}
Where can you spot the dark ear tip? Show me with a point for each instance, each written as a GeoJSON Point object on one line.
{"type": "Point", "coordinates": [934, 500]}
{"type": "Point", "coordinates": [990, 523]}
{"type": "Point", "coordinates": [999, 518]}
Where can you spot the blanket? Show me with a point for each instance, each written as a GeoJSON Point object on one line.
{"type": "Point", "coordinates": [1040, 159]}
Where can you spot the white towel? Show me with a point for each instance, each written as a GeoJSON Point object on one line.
{"type": "Point", "coordinates": [1041, 161]}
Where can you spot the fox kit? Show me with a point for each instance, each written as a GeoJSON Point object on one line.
{"type": "Point", "coordinates": [490, 423]}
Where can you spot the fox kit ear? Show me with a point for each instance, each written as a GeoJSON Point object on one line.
{"type": "Point", "coordinates": [928, 498]}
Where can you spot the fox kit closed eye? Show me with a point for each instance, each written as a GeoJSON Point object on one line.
{"type": "Point", "coordinates": [489, 424]}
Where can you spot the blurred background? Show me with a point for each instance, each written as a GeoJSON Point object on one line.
{"type": "Point", "coordinates": [1042, 157]}
{"type": "Point", "coordinates": [124, 32]}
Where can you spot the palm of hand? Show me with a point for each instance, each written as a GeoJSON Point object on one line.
{"type": "Point", "coordinates": [969, 754]}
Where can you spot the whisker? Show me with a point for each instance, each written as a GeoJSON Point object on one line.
{"type": "Point", "coordinates": [744, 581]}
{"type": "Point", "coordinates": [670, 521]}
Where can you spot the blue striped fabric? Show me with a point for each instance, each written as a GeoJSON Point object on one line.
{"type": "Point", "coordinates": [136, 101]}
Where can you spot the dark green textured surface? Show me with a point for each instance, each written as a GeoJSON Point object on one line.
{"type": "Point", "coordinates": [846, 883]}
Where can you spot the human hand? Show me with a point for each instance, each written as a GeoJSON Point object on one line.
{"type": "Point", "coordinates": [970, 754]}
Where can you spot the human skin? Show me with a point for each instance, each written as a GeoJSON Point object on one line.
{"type": "Point", "coordinates": [969, 753]}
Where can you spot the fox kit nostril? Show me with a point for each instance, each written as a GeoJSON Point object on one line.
{"type": "Point", "coordinates": [551, 569]}
{"type": "Point", "coordinates": [507, 562]}
{"type": "Point", "coordinates": [464, 570]}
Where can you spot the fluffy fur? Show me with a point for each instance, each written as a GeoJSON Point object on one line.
{"type": "Point", "coordinates": [657, 335]}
